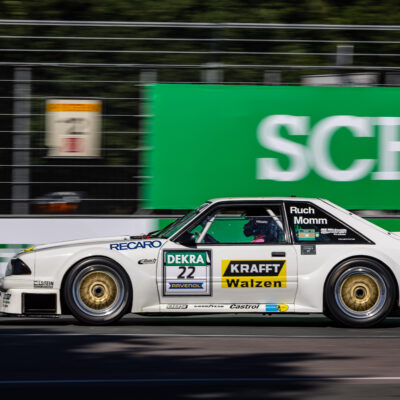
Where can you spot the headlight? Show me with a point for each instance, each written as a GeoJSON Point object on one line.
{"type": "Point", "coordinates": [17, 267]}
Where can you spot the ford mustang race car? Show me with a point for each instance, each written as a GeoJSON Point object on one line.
{"type": "Point", "coordinates": [231, 255]}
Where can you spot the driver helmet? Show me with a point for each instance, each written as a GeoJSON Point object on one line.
{"type": "Point", "coordinates": [256, 227]}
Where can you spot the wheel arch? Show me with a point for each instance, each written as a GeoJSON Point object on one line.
{"type": "Point", "coordinates": [369, 258]}
{"type": "Point", "coordinates": [64, 308]}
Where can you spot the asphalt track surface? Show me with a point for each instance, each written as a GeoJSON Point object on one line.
{"type": "Point", "coordinates": [199, 357]}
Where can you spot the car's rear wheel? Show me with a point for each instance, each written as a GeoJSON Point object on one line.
{"type": "Point", "coordinates": [97, 291]}
{"type": "Point", "coordinates": [359, 293]}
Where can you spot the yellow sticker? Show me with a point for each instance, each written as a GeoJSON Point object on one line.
{"type": "Point", "coordinates": [30, 249]}
{"type": "Point", "coordinates": [252, 274]}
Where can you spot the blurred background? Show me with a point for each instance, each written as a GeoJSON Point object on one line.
{"type": "Point", "coordinates": [62, 55]}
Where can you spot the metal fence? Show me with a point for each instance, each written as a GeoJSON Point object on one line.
{"type": "Point", "coordinates": [113, 61]}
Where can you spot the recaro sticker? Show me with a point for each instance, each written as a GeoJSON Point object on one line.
{"type": "Point", "coordinates": [249, 274]}
{"type": "Point", "coordinates": [187, 273]}
{"type": "Point", "coordinates": [135, 245]}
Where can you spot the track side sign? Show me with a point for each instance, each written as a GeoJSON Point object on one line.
{"type": "Point", "coordinates": [73, 128]}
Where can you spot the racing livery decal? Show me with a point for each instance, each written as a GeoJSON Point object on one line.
{"type": "Point", "coordinates": [306, 234]}
{"type": "Point", "coordinates": [225, 308]}
{"type": "Point", "coordinates": [187, 273]}
{"type": "Point", "coordinates": [6, 299]}
{"type": "Point", "coordinates": [253, 274]}
{"type": "Point", "coordinates": [177, 306]}
{"type": "Point", "coordinates": [43, 284]}
{"type": "Point", "coordinates": [147, 261]}
{"type": "Point", "coordinates": [244, 307]}
{"type": "Point", "coordinates": [310, 223]}
{"type": "Point", "coordinates": [135, 245]}
{"type": "Point", "coordinates": [276, 307]}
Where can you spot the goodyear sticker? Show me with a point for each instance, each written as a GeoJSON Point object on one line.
{"type": "Point", "coordinates": [249, 274]}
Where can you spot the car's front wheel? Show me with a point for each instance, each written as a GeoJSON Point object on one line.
{"type": "Point", "coordinates": [97, 291]}
{"type": "Point", "coordinates": [359, 293]}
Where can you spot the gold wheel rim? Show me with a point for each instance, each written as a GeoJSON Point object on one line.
{"type": "Point", "coordinates": [359, 292]}
{"type": "Point", "coordinates": [98, 290]}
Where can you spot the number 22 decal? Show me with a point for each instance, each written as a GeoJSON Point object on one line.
{"type": "Point", "coordinates": [190, 275]}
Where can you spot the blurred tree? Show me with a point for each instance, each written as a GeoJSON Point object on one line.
{"type": "Point", "coordinates": [119, 83]}
{"type": "Point", "coordinates": [301, 11]}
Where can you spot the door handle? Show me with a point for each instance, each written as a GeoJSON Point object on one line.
{"type": "Point", "coordinates": [278, 254]}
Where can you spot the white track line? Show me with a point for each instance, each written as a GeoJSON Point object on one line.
{"type": "Point", "coordinates": [197, 380]}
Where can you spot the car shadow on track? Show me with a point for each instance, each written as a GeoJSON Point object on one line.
{"type": "Point", "coordinates": [168, 368]}
{"type": "Point", "coordinates": [47, 356]}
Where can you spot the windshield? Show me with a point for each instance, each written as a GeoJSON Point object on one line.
{"type": "Point", "coordinates": [170, 229]}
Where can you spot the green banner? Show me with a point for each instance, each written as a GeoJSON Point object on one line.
{"type": "Point", "coordinates": [208, 141]}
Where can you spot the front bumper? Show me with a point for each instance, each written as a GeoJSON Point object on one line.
{"type": "Point", "coordinates": [30, 302]}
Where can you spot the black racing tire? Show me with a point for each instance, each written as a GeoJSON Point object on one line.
{"type": "Point", "coordinates": [327, 314]}
{"type": "Point", "coordinates": [97, 291]}
{"type": "Point", "coordinates": [359, 293]}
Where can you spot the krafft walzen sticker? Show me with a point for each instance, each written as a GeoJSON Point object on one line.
{"type": "Point", "coordinates": [187, 273]}
{"type": "Point", "coordinates": [249, 274]}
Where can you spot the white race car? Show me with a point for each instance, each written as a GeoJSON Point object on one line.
{"type": "Point", "coordinates": [258, 255]}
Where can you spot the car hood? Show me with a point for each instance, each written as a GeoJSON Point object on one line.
{"type": "Point", "coordinates": [83, 242]}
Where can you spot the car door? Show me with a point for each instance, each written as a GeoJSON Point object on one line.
{"type": "Point", "coordinates": [238, 253]}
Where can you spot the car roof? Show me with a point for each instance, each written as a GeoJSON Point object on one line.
{"type": "Point", "coordinates": [233, 199]}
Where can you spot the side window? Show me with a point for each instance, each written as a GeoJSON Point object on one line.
{"type": "Point", "coordinates": [311, 224]}
{"type": "Point", "coordinates": [245, 224]}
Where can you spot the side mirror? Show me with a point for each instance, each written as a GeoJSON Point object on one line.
{"type": "Point", "coordinates": [192, 239]}
{"type": "Point", "coordinates": [187, 239]}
